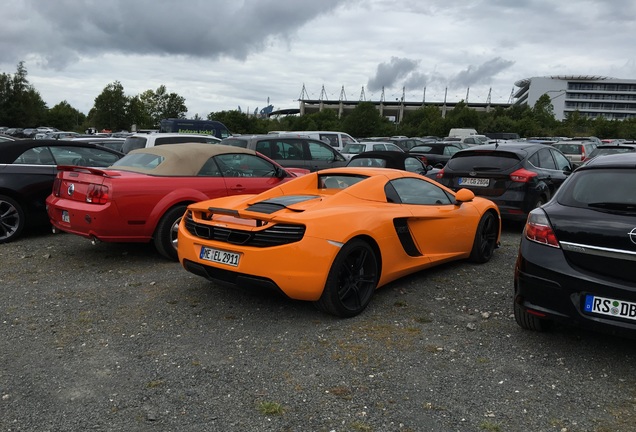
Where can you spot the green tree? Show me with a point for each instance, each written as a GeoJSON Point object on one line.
{"type": "Point", "coordinates": [160, 104]}
{"type": "Point", "coordinates": [20, 104]}
{"type": "Point", "coordinates": [365, 120]}
{"type": "Point", "coordinates": [109, 110]}
{"type": "Point", "coordinates": [63, 116]}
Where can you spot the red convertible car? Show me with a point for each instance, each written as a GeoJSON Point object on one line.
{"type": "Point", "coordinates": [142, 197]}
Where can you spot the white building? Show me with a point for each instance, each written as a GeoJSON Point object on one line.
{"type": "Point", "coordinates": [591, 96]}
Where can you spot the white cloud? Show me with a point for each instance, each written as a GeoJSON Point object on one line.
{"type": "Point", "coordinates": [220, 55]}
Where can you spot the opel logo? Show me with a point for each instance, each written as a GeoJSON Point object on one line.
{"type": "Point", "coordinates": [472, 173]}
{"type": "Point", "coordinates": [71, 189]}
{"type": "Point", "coordinates": [632, 235]}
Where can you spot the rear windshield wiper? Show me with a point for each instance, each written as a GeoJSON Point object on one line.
{"type": "Point", "coordinates": [613, 206]}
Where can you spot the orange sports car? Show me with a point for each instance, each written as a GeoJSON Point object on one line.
{"type": "Point", "coordinates": [333, 236]}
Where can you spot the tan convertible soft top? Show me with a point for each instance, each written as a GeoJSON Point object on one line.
{"type": "Point", "coordinates": [184, 159]}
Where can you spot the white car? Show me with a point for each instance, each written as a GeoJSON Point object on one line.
{"type": "Point", "coordinates": [352, 149]}
{"type": "Point", "coordinates": [144, 140]}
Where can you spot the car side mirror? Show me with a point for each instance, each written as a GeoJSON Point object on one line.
{"type": "Point", "coordinates": [464, 195]}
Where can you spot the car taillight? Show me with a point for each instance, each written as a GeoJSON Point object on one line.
{"type": "Point", "coordinates": [57, 185]}
{"type": "Point", "coordinates": [583, 155]}
{"type": "Point", "coordinates": [440, 174]}
{"type": "Point", "coordinates": [522, 175]}
{"type": "Point", "coordinates": [539, 230]}
{"type": "Point", "coordinates": [97, 194]}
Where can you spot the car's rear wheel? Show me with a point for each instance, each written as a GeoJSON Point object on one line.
{"type": "Point", "coordinates": [166, 233]}
{"type": "Point", "coordinates": [485, 239]}
{"type": "Point", "coordinates": [352, 279]}
{"type": "Point", "coordinates": [11, 219]}
{"type": "Point", "coordinates": [528, 321]}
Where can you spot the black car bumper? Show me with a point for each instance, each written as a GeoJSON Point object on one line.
{"type": "Point", "coordinates": [548, 286]}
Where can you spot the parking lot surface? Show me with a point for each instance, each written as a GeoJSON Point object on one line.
{"type": "Point", "coordinates": [113, 337]}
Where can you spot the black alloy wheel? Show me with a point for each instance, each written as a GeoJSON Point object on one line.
{"type": "Point", "coordinates": [485, 238]}
{"type": "Point", "coordinates": [352, 280]}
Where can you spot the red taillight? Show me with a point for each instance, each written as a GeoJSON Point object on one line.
{"type": "Point", "coordinates": [539, 230]}
{"type": "Point", "coordinates": [583, 155]}
{"type": "Point", "coordinates": [97, 194]}
{"type": "Point", "coordinates": [57, 185]}
{"type": "Point", "coordinates": [440, 174]}
{"type": "Point", "coordinates": [522, 175]}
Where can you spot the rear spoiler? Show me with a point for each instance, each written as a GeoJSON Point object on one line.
{"type": "Point", "coordinates": [91, 170]}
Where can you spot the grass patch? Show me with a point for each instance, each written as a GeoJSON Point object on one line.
{"type": "Point", "coordinates": [490, 426]}
{"type": "Point", "coordinates": [271, 408]}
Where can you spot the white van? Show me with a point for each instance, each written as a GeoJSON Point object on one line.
{"type": "Point", "coordinates": [337, 140]}
{"type": "Point", "coordinates": [462, 132]}
{"type": "Point", "coordinates": [143, 140]}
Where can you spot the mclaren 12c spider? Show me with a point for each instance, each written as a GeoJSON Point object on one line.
{"type": "Point", "coordinates": [333, 236]}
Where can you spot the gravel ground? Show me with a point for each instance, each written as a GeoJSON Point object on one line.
{"type": "Point", "coordinates": [114, 338]}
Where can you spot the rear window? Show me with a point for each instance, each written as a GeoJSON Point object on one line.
{"type": "Point", "coordinates": [571, 149]}
{"type": "Point", "coordinates": [367, 162]}
{"type": "Point", "coordinates": [236, 142]}
{"type": "Point", "coordinates": [184, 139]}
{"type": "Point", "coordinates": [354, 148]}
{"type": "Point", "coordinates": [483, 160]}
{"type": "Point", "coordinates": [134, 143]}
{"type": "Point", "coordinates": [140, 160]}
{"type": "Point", "coordinates": [600, 188]}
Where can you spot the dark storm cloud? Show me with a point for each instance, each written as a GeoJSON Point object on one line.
{"type": "Point", "coordinates": [389, 74]}
{"type": "Point", "coordinates": [481, 74]}
{"type": "Point", "coordinates": [67, 29]}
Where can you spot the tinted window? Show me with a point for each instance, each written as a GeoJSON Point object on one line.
{"type": "Point", "coordinates": [592, 187]}
{"type": "Point", "coordinates": [244, 165]}
{"type": "Point", "coordinates": [134, 143]}
{"type": "Point", "coordinates": [483, 160]}
{"type": "Point", "coordinates": [543, 159]}
{"type": "Point", "coordinates": [319, 151]}
{"type": "Point", "coordinates": [562, 162]}
{"type": "Point", "coordinates": [367, 162]}
{"type": "Point", "coordinates": [414, 165]}
{"type": "Point", "coordinates": [236, 142]}
{"type": "Point", "coordinates": [184, 139]}
{"type": "Point", "coordinates": [92, 157]}
{"type": "Point", "coordinates": [331, 139]}
{"type": "Point", "coordinates": [570, 149]}
{"type": "Point", "coordinates": [416, 191]}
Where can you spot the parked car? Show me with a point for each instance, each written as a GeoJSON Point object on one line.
{"type": "Point", "coordinates": [392, 159]}
{"type": "Point", "coordinates": [337, 140]}
{"type": "Point", "coordinates": [5, 137]}
{"type": "Point", "coordinates": [437, 153]}
{"type": "Point", "coordinates": [291, 150]}
{"type": "Point", "coordinates": [146, 140]}
{"type": "Point", "coordinates": [612, 148]}
{"type": "Point", "coordinates": [334, 236]}
{"type": "Point", "coordinates": [109, 142]}
{"type": "Point", "coordinates": [142, 197]}
{"type": "Point", "coordinates": [60, 135]}
{"type": "Point", "coordinates": [27, 171]}
{"type": "Point", "coordinates": [576, 258]}
{"type": "Point", "coordinates": [518, 177]}
{"type": "Point", "coordinates": [576, 151]}
{"type": "Point", "coordinates": [365, 146]}
{"type": "Point", "coordinates": [405, 143]}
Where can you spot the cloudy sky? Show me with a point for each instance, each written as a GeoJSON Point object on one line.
{"type": "Point", "coordinates": [224, 54]}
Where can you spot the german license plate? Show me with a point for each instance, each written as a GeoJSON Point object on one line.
{"type": "Point", "coordinates": [470, 181]}
{"type": "Point", "coordinates": [65, 217]}
{"type": "Point", "coordinates": [610, 307]}
{"type": "Point", "coordinates": [219, 256]}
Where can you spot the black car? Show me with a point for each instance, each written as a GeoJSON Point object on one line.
{"type": "Point", "coordinates": [607, 149]}
{"type": "Point", "coordinates": [518, 177]}
{"type": "Point", "coordinates": [292, 150]}
{"type": "Point", "coordinates": [577, 254]}
{"type": "Point", "coordinates": [393, 159]}
{"type": "Point", "coordinates": [437, 153]}
{"type": "Point", "coordinates": [27, 171]}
